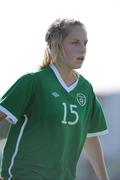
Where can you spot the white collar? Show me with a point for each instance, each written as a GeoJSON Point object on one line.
{"type": "Point", "coordinates": [64, 85]}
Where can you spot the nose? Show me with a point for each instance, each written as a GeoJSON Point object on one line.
{"type": "Point", "coordinates": [82, 49]}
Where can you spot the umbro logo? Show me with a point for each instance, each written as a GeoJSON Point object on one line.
{"type": "Point", "coordinates": [55, 94]}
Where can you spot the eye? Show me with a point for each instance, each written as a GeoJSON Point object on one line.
{"type": "Point", "coordinates": [75, 42]}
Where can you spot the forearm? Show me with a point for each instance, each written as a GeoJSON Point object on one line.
{"type": "Point", "coordinates": [94, 153]}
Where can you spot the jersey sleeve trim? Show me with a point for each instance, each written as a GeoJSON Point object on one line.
{"type": "Point", "coordinates": [97, 133]}
{"type": "Point", "coordinates": [10, 117]}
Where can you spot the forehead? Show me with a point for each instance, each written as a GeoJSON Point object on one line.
{"type": "Point", "coordinates": [77, 32]}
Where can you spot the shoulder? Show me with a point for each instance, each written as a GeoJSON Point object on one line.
{"type": "Point", "coordinates": [35, 78]}
{"type": "Point", "coordinates": [33, 75]}
{"type": "Point", "coordinates": [85, 82]}
{"type": "Point", "coordinates": [85, 87]}
{"type": "Point", "coordinates": [39, 73]}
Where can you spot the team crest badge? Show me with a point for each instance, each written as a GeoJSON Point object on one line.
{"type": "Point", "coordinates": [81, 98]}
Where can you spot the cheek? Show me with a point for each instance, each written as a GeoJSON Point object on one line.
{"type": "Point", "coordinates": [68, 50]}
{"type": "Point", "coordinates": [68, 54]}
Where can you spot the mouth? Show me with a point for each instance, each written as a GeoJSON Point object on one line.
{"type": "Point", "coordinates": [81, 58]}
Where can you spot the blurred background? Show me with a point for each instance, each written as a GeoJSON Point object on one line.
{"type": "Point", "coordinates": [23, 24]}
{"type": "Point", "coordinates": [110, 142]}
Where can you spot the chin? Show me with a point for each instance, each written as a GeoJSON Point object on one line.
{"type": "Point", "coordinates": [78, 66]}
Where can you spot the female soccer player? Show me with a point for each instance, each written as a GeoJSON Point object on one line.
{"type": "Point", "coordinates": [54, 112]}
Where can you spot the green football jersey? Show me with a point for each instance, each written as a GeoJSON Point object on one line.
{"type": "Point", "coordinates": [50, 124]}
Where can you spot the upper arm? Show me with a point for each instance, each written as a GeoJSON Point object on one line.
{"type": "Point", "coordinates": [2, 115]}
{"type": "Point", "coordinates": [4, 126]}
{"type": "Point", "coordinates": [91, 143]}
{"type": "Point", "coordinates": [91, 140]}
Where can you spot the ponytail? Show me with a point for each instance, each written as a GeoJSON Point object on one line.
{"type": "Point", "coordinates": [47, 59]}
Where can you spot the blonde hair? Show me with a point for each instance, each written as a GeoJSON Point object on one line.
{"type": "Point", "coordinates": [55, 35]}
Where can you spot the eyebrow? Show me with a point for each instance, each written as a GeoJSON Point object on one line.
{"type": "Point", "coordinates": [79, 40]}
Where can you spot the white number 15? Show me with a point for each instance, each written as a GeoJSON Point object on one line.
{"type": "Point", "coordinates": [73, 111]}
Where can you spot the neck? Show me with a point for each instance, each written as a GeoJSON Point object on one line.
{"type": "Point", "coordinates": [68, 75]}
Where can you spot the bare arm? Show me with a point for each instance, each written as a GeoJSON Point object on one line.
{"type": "Point", "coordinates": [4, 126]}
{"type": "Point", "coordinates": [94, 153]}
{"type": "Point", "coordinates": [2, 116]}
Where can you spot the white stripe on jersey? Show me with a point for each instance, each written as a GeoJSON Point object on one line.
{"type": "Point", "coordinates": [17, 147]}
{"type": "Point", "coordinates": [100, 133]}
{"type": "Point", "coordinates": [10, 117]}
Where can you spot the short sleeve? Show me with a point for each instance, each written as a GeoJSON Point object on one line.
{"type": "Point", "coordinates": [97, 124]}
{"type": "Point", "coordinates": [15, 101]}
